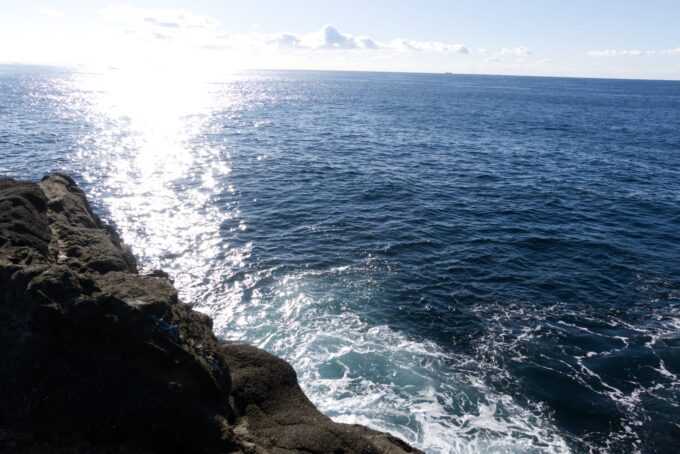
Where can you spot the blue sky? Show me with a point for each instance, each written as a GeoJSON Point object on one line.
{"type": "Point", "coordinates": [605, 38]}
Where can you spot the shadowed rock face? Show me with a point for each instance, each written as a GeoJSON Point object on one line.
{"type": "Point", "coordinates": [98, 358]}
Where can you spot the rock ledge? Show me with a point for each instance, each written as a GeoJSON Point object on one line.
{"type": "Point", "coordinates": [97, 358]}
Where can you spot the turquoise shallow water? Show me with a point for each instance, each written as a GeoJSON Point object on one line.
{"type": "Point", "coordinates": [477, 264]}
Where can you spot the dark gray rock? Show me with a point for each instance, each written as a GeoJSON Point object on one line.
{"type": "Point", "coordinates": [79, 237]}
{"type": "Point", "coordinates": [24, 227]}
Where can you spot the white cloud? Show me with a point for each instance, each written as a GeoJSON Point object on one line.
{"type": "Point", "coordinates": [404, 44]}
{"type": "Point", "coordinates": [51, 12]}
{"type": "Point", "coordinates": [284, 40]}
{"type": "Point", "coordinates": [675, 51]}
{"type": "Point", "coordinates": [162, 18]}
{"type": "Point", "coordinates": [251, 41]}
{"type": "Point", "coordinates": [619, 53]}
{"type": "Point", "coordinates": [332, 38]}
{"type": "Point", "coordinates": [329, 37]}
{"type": "Point", "coordinates": [519, 51]}
{"type": "Point", "coordinates": [431, 46]}
{"type": "Point", "coordinates": [367, 43]}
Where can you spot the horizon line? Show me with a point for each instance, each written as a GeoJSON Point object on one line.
{"type": "Point", "coordinates": [451, 73]}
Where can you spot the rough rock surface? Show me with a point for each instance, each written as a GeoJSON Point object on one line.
{"type": "Point", "coordinates": [97, 358]}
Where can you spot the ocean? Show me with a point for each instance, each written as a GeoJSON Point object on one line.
{"type": "Point", "coordinates": [480, 264]}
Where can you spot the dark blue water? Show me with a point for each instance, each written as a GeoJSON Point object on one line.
{"type": "Point", "coordinates": [477, 264]}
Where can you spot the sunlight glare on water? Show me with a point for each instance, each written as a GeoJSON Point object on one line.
{"type": "Point", "coordinates": [160, 177]}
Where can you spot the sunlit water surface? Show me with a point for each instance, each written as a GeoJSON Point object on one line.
{"type": "Point", "coordinates": [476, 264]}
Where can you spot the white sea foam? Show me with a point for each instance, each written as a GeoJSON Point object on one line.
{"type": "Point", "coordinates": [659, 326]}
{"type": "Point", "coordinates": [374, 374]}
{"type": "Point", "coordinates": [356, 372]}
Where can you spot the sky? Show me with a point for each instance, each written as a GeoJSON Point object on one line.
{"type": "Point", "coordinates": [594, 38]}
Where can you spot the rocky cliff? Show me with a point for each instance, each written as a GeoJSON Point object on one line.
{"type": "Point", "coordinates": [97, 358]}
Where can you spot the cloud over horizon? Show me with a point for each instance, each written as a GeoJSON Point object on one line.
{"type": "Point", "coordinates": [330, 37]}
{"type": "Point", "coordinates": [203, 32]}
{"type": "Point", "coordinates": [619, 53]}
{"type": "Point", "coordinates": [519, 51]}
{"type": "Point", "coordinates": [431, 46]}
{"type": "Point", "coordinates": [163, 18]}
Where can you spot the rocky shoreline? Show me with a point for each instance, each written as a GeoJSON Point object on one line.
{"type": "Point", "coordinates": [98, 358]}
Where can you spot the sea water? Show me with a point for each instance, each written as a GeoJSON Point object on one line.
{"type": "Point", "coordinates": [473, 263]}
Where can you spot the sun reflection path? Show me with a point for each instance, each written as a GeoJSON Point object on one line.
{"type": "Point", "coordinates": [151, 166]}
